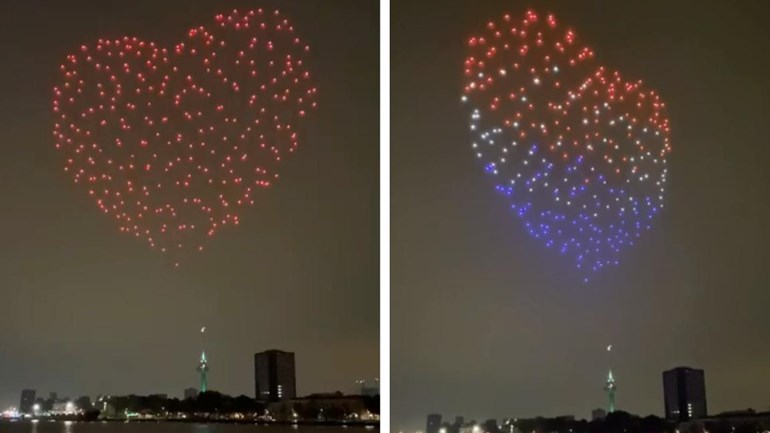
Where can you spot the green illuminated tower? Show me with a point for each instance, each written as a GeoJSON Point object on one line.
{"type": "Point", "coordinates": [203, 369]}
{"type": "Point", "coordinates": [610, 388]}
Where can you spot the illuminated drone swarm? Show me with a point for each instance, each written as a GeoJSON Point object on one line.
{"type": "Point", "coordinates": [579, 152]}
{"type": "Point", "coordinates": [171, 142]}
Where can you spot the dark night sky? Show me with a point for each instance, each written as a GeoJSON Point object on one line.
{"type": "Point", "coordinates": [486, 322]}
{"type": "Point", "coordinates": [85, 310]}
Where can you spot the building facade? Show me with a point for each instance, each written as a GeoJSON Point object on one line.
{"type": "Point", "coordinates": [274, 376]}
{"type": "Point", "coordinates": [190, 393]}
{"type": "Point", "coordinates": [27, 400]}
{"type": "Point", "coordinates": [684, 394]}
{"type": "Point", "coordinates": [434, 423]}
{"type": "Point", "coordinates": [325, 407]}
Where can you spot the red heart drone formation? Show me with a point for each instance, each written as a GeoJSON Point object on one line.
{"type": "Point", "coordinates": [579, 152]}
{"type": "Point", "coordinates": [171, 142]}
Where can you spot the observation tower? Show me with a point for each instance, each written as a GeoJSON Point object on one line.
{"type": "Point", "coordinates": [609, 387]}
{"type": "Point", "coordinates": [203, 369]}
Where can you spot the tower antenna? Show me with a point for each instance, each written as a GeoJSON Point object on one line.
{"type": "Point", "coordinates": [203, 367]}
{"type": "Point", "coordinates": [610, 387]}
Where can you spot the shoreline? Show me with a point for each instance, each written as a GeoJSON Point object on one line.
{"type": "Point", "coordinates": [355, 424]}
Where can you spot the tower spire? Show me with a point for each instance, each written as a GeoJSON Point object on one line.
{"type": "Point", "coordinates": [609, 386]}
{"type": "Point", "coordinates": [203, 368]}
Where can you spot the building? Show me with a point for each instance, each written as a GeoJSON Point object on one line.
{"type": "Point", "coordinates": [598, 414]}
{"type": "Point", "coordinates": [203, 370]}
{"type": "Point", "coordinates": [490, 425]}
{"type": "Point", "coordinates": [434, 423]}
{"type": "Point", "coordinates": [83, 403]}
{"type": "Point", "coordinates": [324, 407]}
{"type": "Point", "coordinates": [610, 388]}
{"type": "Point", "coordinates": [27, 400]}
{"type": "Point", "coordinates": [274, 376]}
{"type": "Point", "coordinates": [63, 407]}
{"type": "Point", "coordinates": [684, 394]}
{"type": "Point", "coordinates": [743, 420]}
{"type": "Point", "coordinates": [508, 426]}
{"type": "Point", "coordinates": [190, 393]}
{"type": "Point", "coordinates": [369, 389]}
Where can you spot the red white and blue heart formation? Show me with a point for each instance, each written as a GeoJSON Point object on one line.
{"type": "Point", "coordinates": [578, 151]}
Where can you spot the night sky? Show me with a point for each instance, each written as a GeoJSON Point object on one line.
{"type": "Point", "coordinates": [487, 323]}
{"type": "Point", "coordinates": [87, 310]}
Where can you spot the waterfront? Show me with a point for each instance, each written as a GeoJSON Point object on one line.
{"type": "Point", "coordinates": [169, 427]}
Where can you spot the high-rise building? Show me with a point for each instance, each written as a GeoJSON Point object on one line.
{"type": "Point", "coordinates": [684, 393]}
{"type": "Point", "coordinates": [274, 375]}
{"type": "Point", "coordinates": [27, 400]}
{"type": "Point", "coordinates": [434, 423]}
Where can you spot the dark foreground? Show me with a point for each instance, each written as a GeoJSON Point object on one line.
{"type": "Point", "coordinates": [170, 427]}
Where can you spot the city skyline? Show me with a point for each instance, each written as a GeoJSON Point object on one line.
{"type": "Point", "coordinates": [670, 395]}
{"type": "Point", "coordinates": [29, 395]}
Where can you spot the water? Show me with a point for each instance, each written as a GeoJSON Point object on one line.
{"type": "Point", "coordinates": [117, 427]}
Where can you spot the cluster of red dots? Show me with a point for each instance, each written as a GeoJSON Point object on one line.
{"type": "Point", "coordinates": [172, 141]}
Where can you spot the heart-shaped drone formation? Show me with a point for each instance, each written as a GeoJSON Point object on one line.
{"type": "Point", "coordinates": [172, 142]}
{"type": "Point", "coordinates": [578, 151]}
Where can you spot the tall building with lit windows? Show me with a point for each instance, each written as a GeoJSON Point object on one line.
{"type": "Point", "coordinates": [433, 424]}
{"type": "Point", "coordinates": [274, 375]}
{"type": "Point", "coordinates": [27, 401]}
{"type": "Point", "coordinates": [684, 393]}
